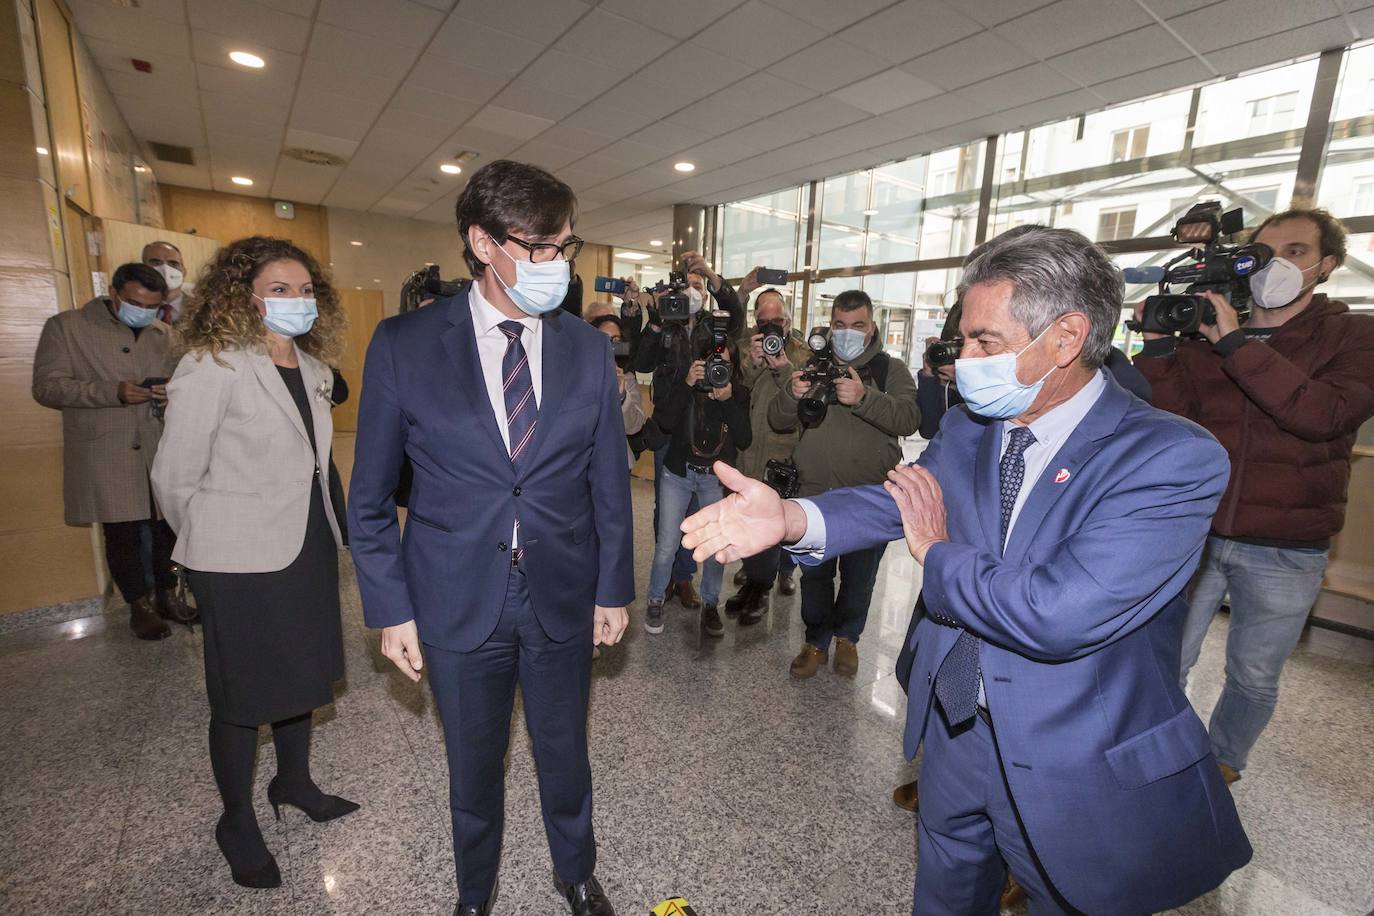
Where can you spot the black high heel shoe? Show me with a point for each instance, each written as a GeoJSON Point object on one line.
{"type": "Point", "coordinates": [263, 876]}
{"type": "Point", "coordinates": [327, 808]}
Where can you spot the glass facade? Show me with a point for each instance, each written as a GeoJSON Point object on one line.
{"type": "Point", "coordinates": [1121, 176]}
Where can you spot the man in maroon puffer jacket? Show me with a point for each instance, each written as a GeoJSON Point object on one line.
{"type": "Point", "coordinates": [1285, 393]}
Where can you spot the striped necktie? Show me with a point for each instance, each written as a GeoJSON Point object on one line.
{"type": "Point", "coordinates": [522, 411]}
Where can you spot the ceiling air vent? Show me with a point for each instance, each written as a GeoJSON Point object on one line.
{"type": "Point", "coordinates": [167, 152]}
{"type": "Point", "coordinates": [313, 156]}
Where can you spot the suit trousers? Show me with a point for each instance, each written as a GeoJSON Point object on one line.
{"type": "Point", "coordinates": [127, 546]}
{"type": "Point", "coordinates": [967, 826]}
{"type": "Point", "coordinates": [827, 612]}
{"type": "Point", "coordinates": [475, 692]}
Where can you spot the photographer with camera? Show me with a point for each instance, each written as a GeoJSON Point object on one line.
{"type": "Point", "coordinates": [1285, 391]}
{"type": "Point", "coordinates": [772, 352]}
{"type": "Point", "coordinates": [673, 332]}
{"type": "Point", "coordinates": [852, 402]}
{"type": "Point", "coordinates": [706, 417]}
{"type": "Point", "coordinates": [631, 403]}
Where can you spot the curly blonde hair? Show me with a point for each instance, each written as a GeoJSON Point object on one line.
{"type": "Point", "coordinates": [221, 315]}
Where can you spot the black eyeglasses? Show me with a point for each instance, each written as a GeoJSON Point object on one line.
{"type": "Point", "coordinates": [541, 252]}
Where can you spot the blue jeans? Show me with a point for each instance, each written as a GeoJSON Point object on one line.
{"type": "Point", "coordinates": [828, 614]}
{"type": "Point", "coordinates": [675, 494]}
{"type": "Point", "coordinates": [684, 567]}
{"type": "Point", "coordinates": [1272, 590]}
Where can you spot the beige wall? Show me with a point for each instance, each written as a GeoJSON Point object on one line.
{"type": "Point", "coordinates": [124, 242]}
{"type": "Point", "coordinates": [229, 217]}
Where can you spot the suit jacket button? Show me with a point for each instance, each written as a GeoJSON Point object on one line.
{"type": "Point", "coordinates": [137, 446]}
{"type": "Point", "coordinates": [516, 492]}
{"type": "Point", "coordinates": [501, 546]}
{"type": "Point", "coordinates": [929, 677]}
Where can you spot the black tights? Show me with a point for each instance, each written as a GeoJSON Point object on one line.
{"type": "Point", "coordinates": [233, 754]}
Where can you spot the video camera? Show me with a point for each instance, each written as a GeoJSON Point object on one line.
{"type": "Point", "coordinates": [718, 367]}
{"type": "Point", "coordinates": [944, 352]}
{"type": "Point", "coordinates": [1214, 267]}
{"type": "Point", "coordinates": [426, 283]}
{"type": "Point", "coordinates": [674, 307]}
{"type": "Point", "coordinates": [820, 372]}
{"type": "Point", "coordinates": [782, 475]}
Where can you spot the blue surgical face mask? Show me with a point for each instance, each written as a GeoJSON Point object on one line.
{"type": "Point", "coordinates": [539, 288]}
{"type": "Point", "coordinates": [135, 316]}
{"type": "Point", "coordinates": [290, 317]}
{"type": "Point", "coordinates": [848, 343]}
{"type": "Point", "coordinates": [989, 385]}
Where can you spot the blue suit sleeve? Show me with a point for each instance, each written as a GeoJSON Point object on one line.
{"type": "Point", "coordinates": [612, 513]}
{"type": "Point", "coordinates": [374, 532]}
{"type": "Point", "coordinates": [1133, 556]}
{"type": "Point", "coordinates": [857, 518]}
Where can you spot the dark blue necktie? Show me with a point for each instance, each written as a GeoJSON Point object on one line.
{"type": "Point", "coordinates": [522, 411]}
{"type": "Point", "coordinates": [956, 685]}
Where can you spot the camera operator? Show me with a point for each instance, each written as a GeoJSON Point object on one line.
{"type": "Point", "coordinates": [631, 403]}
{"type": "Point", "coordinates": [1285, 391]}
{"type": "Point", "coordinates": [767, 369]}
{"type": "Point", "coordinates": [706, 415]}
{"type": "Point", "coordinates": [665, 349]}
{"type": "Point", "coordinates": [856, 443]}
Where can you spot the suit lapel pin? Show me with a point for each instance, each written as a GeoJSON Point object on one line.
{"type": "Point", "coordinates": [1063, 476]}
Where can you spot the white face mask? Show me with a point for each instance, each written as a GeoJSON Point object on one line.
{"type": "Point", "coordinates": [171, 275]}
{"type": "Point", "coordinates": [989, 385]}
{"type": "Point", "coordinates": [539, 288]}
{"type": "Point", "coordinates": [848, 343]}
{"type": "Point", "coordinates": [1279, 283]}
{"type": "Point", "coordinates": [695, 299]}
{"type": "Point", "coordinates": [290, 317]}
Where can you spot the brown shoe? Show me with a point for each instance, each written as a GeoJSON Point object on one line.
{"type": "Point", "coordinates": [687, 595]}
{"type": "Point", "coordinates": [1012, 893]}
{"type": "Point", "coordinates": [786, 584]}
{"type": "Point", "coordinates": [808, 661]}
{"type": "Point", "coordinates": [846, 657]}
{"type": "Point", "coordinates": [905, 797]}
{"type": "Point", "coordinates": [1228, 772]}
{"type": "Point", "coordinates": [145, 623]}
{"type": "Point", "coordinates": [171, 606]}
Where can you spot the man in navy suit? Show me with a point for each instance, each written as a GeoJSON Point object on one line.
{"type": "Point", "coordinates": [1058, 519]}
{"type": "Point", "coordinates": [517, 553]}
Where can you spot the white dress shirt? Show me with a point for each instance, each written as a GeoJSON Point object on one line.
{"type": "Point", "coordinates": [491, 350]}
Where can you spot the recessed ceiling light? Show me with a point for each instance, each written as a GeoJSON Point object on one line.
{"type": "Point", "coordinates": [870, 213]}
{"type": "Point", "coordinates": [239, 179]}
{"type": "Point", "coordinates": [448, 168]}
{"type": "Point", "coordinates": [656, 243]}
{"type": "Point", "coordinates": [356, 242]}
{"type": "Point", "coordinates": [42, 150]}
{"type": "Point", "coordinates": [244, 59]}
{"type": "Point", "coordinates": [632, 256]}
{"type": "Point", "coordinates": [684, 166]}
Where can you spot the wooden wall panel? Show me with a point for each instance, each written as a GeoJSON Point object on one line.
{"type": "Point", "coordinates": [124, 243]}
{"type": "Point", "coordinates": [24, 241]}
{"type": "Point", "coordinates": [365, 308]}
{"type": "Point", "coordinates": [1352, 554]}
{"type": "Point", "coordinates": [58, 564]}
{"type": "Point", "coordinates": [64, 103]}
{"type": "Point", "coordinates": [31, 487]}
{"type": "Point", "coordinates": [229, 217]}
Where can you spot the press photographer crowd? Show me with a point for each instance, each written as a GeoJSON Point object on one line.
{"type": "Point", "coordinates": [1082, 497]}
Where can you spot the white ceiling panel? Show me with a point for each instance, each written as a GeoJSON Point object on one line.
{"type": "Point", "coordinates": [612, 123]}
{"type": "Point", "coordinates": [575, 138]}
{"type": "Point", "coordinates": [1029, 84]}
{"type": "Point", "coordinates": [117, 56]}
{"type": "Point", "coordinates": [334, 115]}
{"type": "Point", "coordinates": [549, 156]}
{"type": "Point", "coordinates": [350, 196]}
{"type": "Point", "coordinates": [715, 117]}
{"type": "Point", "coordinates": [187, 176]}
{"type": "Point", "coordinates": [556, 69]}
{"type": "Point", "coordinates": [828, 65]}
{"type": "Point", "coordinates": [1234, 21]}
{"type": "Point", "coordinates": [427, 103]}
{"type": "Point", "coordinates": [1121, 55]}
{"type": "Point", "coordinates": [128, 26]}
{"type": "Point", "coordinates": [250, 21]}
{"type": "Point", "coordinates": [692, 65]}
{"type": "Point", "coordinates": [339, 146]}
{"type": "Point", "coordinates": [295, 7]}
{"type": "Point", "coordinates": [510, 123]}
{"type": "Point", "coordinates": [360, 51]}
{"type": "Point", "coordinates": [483, 48]}
{"type": "Point", "coordinates": [1280, 46]}
{"type": "Point", "coordinates": [991, 12]}
{"type": "Point", "coordinates": [392, 21]}
{"type": "Point", "coordinates": [830, 15]}
{"type": "Point", "coordinates": [1149, 82]}
{"type": "Point", "coordinates": [340, 78]}
{"type": "Point", "coordinates": [1059, 106]}
{"type": "Point", "coordinates": [451, 78]}
{"type": "Point", "coordinates": [909, 29]}
{"type": "Point", "coordinates": [932, 114]}
{"type": "Point", "coordinates": [631, 153]}
{"type": "Point", "coordinates": [965, 62]}
{"type": "Point", "coordinates": [821, 114]}
{"type": "Point", "coordinates": [541, 21]}
{"type": "Point", "coordinates": [621, 38]}
{"type": "Point", "coordinates": [886, 91]}
{"type": "Point", "coordinates": [213, 48]}
{"type": "Point", "coordinates": [642, 92]}
{"type": "Point", "coordinates": [538, 101]}
{"type": "Point", "coordinates": [1071, 24]}
{"type": "Point", "coordinates": [763, 92]}
{"type": "Point", "coordinates": [243, 84]}
{"type": "Point", "coordinates": [149, 86]}
{"type": "Point", "coordinates": [488, 143]}
{"type": "Point", "coordinates": [1166, 9]}
{"type": "Point", "coordinates": [673, 17]}
{"type": "Point", "coordinates": [757, 34]}
{"type": "Point", "coordinates": [771, 133]}
{"type": "Point", "coordinates": [426, 133]}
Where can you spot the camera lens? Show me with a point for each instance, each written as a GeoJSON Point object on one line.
{"type": "Point", "coordinates": [811, 411]}
{"type": "Point", "coordinates": [772, 343]}
{"type": "Point", "coordinates": [718, 374]}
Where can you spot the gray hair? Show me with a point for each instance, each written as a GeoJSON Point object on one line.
{"type": "Point", "coordinates": [1054, 272]}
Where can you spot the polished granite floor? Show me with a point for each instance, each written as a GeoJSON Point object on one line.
{"type": "Point", "coordinates": [717, 777]}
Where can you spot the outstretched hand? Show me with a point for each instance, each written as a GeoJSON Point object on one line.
{"type": "Point", "coordinates": [922, 505]}
{"type": "Point", "coordinates": [749, 520]}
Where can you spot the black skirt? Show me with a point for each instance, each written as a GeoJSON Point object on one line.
{"type": "Point", "coordinates": [274, 640]}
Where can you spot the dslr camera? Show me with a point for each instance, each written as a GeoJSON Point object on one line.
{"type": "Point", "coordinates": [718, 368]}
{"type": "Point", "coordinates": [426, 283]}
{"type": "Point", "coordinates": [1214, 267]}
{"type": "Point", "coordinates": [774, 338]}
{"type": "Point", "coordinates": [820, 372]}
{"type": "Point", "coordinates": [782, 475]}
{"type": "Point", "coordinates": [944, 352]}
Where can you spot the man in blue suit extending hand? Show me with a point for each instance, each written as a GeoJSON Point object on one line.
{"type": "Point", "coordinates": [517, 553]}
{"type": "Point", "coordinates": [1058, 519]}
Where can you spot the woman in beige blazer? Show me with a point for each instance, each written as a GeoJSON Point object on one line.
{"type": "Point", "coordinates": [239, 478]}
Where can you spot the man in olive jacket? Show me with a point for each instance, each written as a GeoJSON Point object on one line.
{"type": "Point", "coordinates": [765, 375]}
{"type": "Point", "coordinates": [857, 443]}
